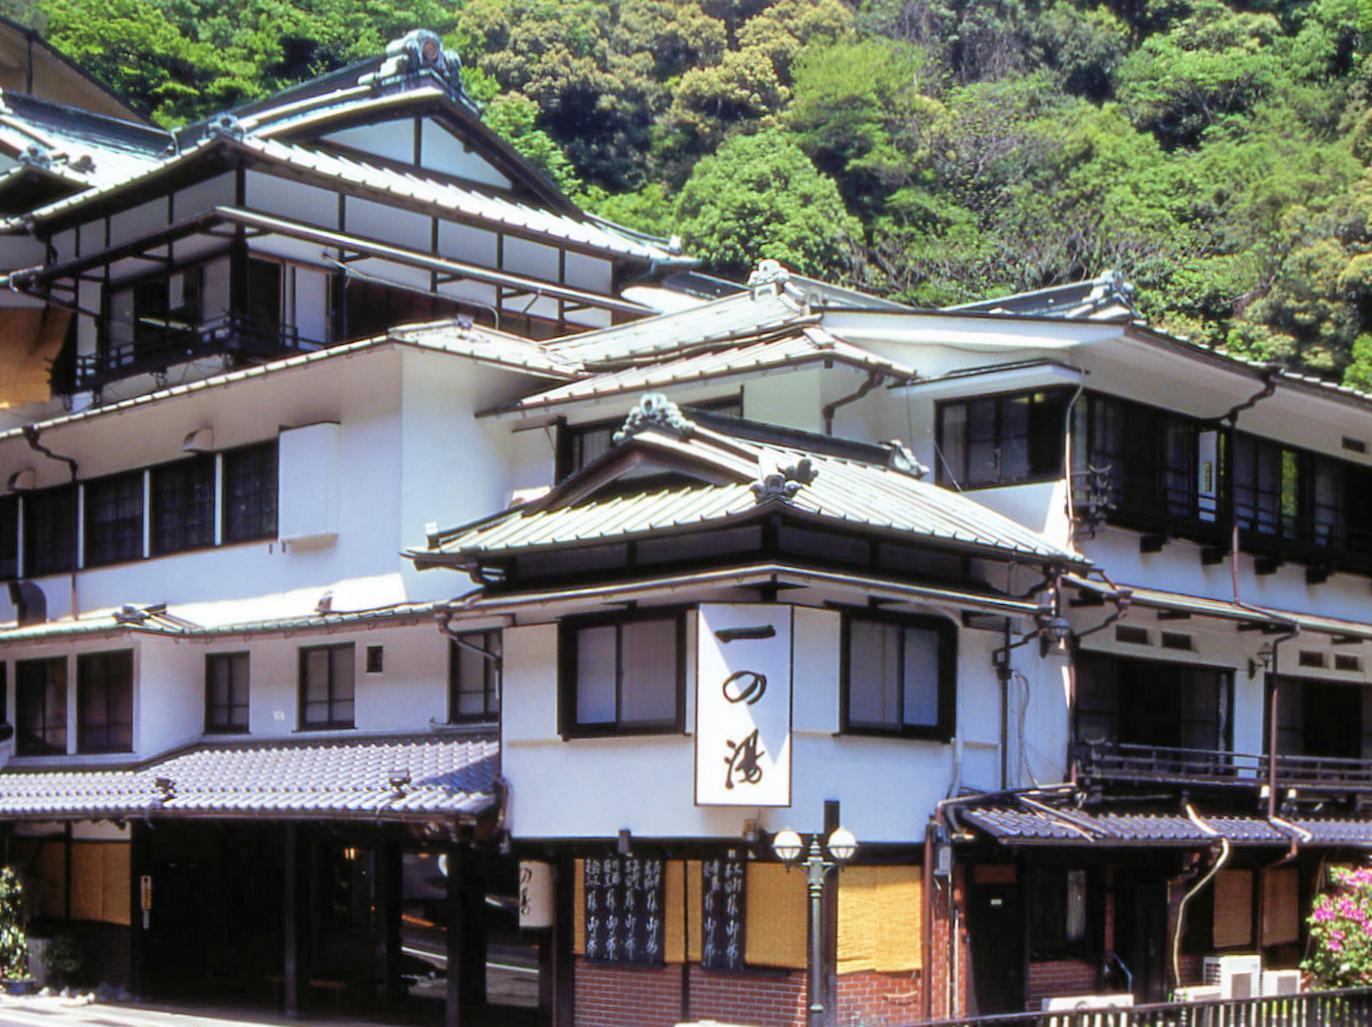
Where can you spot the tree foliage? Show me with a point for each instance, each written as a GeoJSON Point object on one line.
{"type": "Point", "coordinates": [1216, 151]}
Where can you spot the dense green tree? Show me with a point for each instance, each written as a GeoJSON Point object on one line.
{"type": "Point", "coordinates": [760, 197]}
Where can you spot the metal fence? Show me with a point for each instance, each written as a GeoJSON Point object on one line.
{"type": "Point", "coordinates": [1351, 1007]}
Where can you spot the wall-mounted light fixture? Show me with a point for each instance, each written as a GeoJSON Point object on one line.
{"type": "Point", "coordinates": [1262, 659]}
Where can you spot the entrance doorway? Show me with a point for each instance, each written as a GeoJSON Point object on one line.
{"type": "Point", "coordinates": [995, 923]}
{"type": "Point", "coordinates": [1141, 935]}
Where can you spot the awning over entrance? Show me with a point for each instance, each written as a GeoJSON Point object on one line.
{"type": "Point", "coordinates": [1241, 613]}
{"type": "Point", "coordinates": [1017, 826]}
{"type": "Point", "coordinates": [411, 777]}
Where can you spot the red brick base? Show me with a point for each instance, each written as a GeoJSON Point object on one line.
{"type": "Point", "coordinates": [609, 996]}
{"type": "Point", "coordinates": [1059, 977]}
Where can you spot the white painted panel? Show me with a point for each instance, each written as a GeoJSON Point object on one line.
{"type": "Point", "coordinates": [531, 259]}
{"type": "Point", "coordinates": [287, 249]}
{"type": "Point", "coordinates": [389, 224]}
{"type": "Point", "coordinates": [21, 251]}
{"type": "Point", "coordinates": [215, 290]}
{"type": "Point", "coordinates": [393, 274]}
{"type": "Point", "coordinates": [467, 289]}
{"type": "Point", "coordinates": [204, 196]}
{"type": "Point", "coordinates": [145, 219]}
{"type": "Point", "coordinates": [87, 334]}
{"type": "Point", "coordinates": [443, 151]}
{"type": "Point", "coordinates": [393, 139]}
{"type": "Point", "coordinates": [92, 236]}
{"type": "Point", "coordinates": [308, 482]}
{"type": "Point", "coordinates": [590, 273]}
{"type": "Point", "coordinates": [64, 244]}
{"type": "Point", "coordinates": [311, 304]}
{"type": "Point", "coordinates": [292, 200]}
{"type": "Point", "coordinates": [591, 317]}
{"type": "Point", "coordinates": [198, 247]}
{"type": "Point", "coordinates": [467, 244]}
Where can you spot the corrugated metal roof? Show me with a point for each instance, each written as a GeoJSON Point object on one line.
{"type": "Point", "coordinates": [840, 491]}
{"type": "Point", "coordinates": [366, 777]}
{"type": "Point", "coordinates": [170, 627]}
{"type": "Point", "coordinates": [1246, 613]}
{"type": "Point", "coordinates": [808, 345]}
{"type": "Point", "coordinates": [732, 317]}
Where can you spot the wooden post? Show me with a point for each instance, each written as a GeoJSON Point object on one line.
{"type": "Point", "coordinates": [453, 1012]}
{"type": "Point", "coordinates": [388, 873]}
{"type": "Point", "coordinates": [561, 940]}
{"type": "Point", "coordinates": [290, 927]}
{"type": "Point", "coordinates": [137, 927]}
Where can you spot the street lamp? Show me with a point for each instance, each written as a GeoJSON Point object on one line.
{"type": "Point", "coordinates": [788, 846]}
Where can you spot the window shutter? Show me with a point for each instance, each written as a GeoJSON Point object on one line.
{"type": "Point", "coordinates": [776, 921]}
{"type": "Point", "coordinates": [1281, 921]}
{"type": "Point", "coordinates": [1233, 922]}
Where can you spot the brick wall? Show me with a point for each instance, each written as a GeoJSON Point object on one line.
{"type": "Point", "coordinates": [609, 996]}
{"type": "Point", "coordinates": [1060, 977]}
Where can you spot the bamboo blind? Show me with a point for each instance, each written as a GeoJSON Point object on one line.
{"type": "Point", "coordinates": [1281, 916]}
{"type": "Point", "coordinates": [879, 919]}
{"type": "Point", "coordinates": [775, 918]}
{"type": "Point", "coordinates": [1233, 922]}
{"type": "Point", "coordinates": [100, 886]}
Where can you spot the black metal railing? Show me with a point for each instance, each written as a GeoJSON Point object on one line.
{"type": "Point", "coordinates": [1118, 762]}
{"type": "Point", "coordinates": [153, 346]}
{"type": "Point", "coordinates": [1347, 1008]}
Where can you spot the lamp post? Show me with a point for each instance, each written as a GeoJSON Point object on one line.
{"type": "Point", "coordinates": [789, 847]}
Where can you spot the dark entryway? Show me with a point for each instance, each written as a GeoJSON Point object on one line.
{"type": "Point", "coordinates": [995, 924]}
{"type": "Point", "coordinates": [1141, 933]}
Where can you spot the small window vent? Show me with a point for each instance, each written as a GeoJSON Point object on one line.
{"type": "Point", "coordinates": [376, 659]}
{"type": "Point", "coordinates": [1354, 445]}
{"type": "Point", "coordinates": [1176, 640]}
{"type": "Point", "coordinates": [1311, 658]}
{"type": "Point", "coordinates": [1132, 635]}
{"type": "Point", "coordinates": [1347, 661]}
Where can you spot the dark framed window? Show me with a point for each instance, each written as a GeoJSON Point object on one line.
{"type": "Point", "coordinates": [40, 707]}
{"type": "Point", "coordinates": [1060, 912]}
{"type": "Point", "coordinates": [183, 505]}
{"type": "Point", "coordinates": [899, 675]}
{"type": "Point", "coordinates": [1321, 718]}
{"type": "Point", "coordinates": [328, 687]}
{"type": "Point", "coordinates": [226, 692]}
{"type": "Point", "coordinates": [114, 519]}
{"type": "Point", "coordinates": [623, 673]}
{"type": "Point", "coordinates": [1267, 487]}
{"type": "Point", "coordinates": [473, 679]}
{"type": "Point", "coordinates": [250, 492]}
{"type": "Point", "coordinates": [50, 531]}
{"type": "Point", "coordinates": [104, 702]}
{"type": "Point", "coordinates": [1002, 440]}
{"type": "Point", "coordinates": [1152, 702]}
{"type": "Point", "coordinates": [9, 537]}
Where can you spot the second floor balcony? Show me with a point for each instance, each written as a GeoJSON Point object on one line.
{"type": "Point", "coordinates": [1121, 765]}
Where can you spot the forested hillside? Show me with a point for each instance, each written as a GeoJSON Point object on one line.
{"type": "Point", "coordinates": [930, 150]}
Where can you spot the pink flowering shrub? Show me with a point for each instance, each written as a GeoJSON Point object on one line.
{"type": "Point", "coordinates": [1341, 932]}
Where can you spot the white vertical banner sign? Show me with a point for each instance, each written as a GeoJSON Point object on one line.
{"type": "Point", "coordinates": [743, 704]}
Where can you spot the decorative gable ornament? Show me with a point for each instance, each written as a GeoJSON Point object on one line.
{"type": "Point", "coordinates": [226, 125]}
{"type": "Point", "coordinates": [905, 461]}
{"type": "Point", "coordinates": [418, 52]}
{"type": "Point", "coordinates": [768, 279]}
{"type": "Point", "coordinates": [655, 410]}
{"type": "Point", "coordinates": [36, 156]}
{"type": "Point", "coordinates": [782, 483]}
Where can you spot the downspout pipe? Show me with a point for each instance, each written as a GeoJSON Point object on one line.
{"type": "Point", "coordinates": [1272, 720]}
{"type": "Point", "coordinates": [31, 436]}
{"type": "Point", "coordinates": [1226, 850]}
{"type": "Point", "coordinates": [874, 379]}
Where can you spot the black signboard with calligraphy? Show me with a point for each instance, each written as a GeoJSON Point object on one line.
{"type": "Point", "coordinates": [624, 909]}
{"type": "Point", "coordinates": [721, 914]}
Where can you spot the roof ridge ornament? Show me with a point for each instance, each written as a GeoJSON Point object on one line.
{"type": "Point", "coordinates": [36, 156]}
{"type": "Point", "coordinates": [655, 410]}
{"type": "Point", "coordinates": [226, 124]}
{"type": "Point", "coordinates": [769, 278]}
{"type": "Point", "coordinates": [904, 460]}
{"type": "Point", "coordinates": [417, 52]}
{"type": "Point", "coordinates": [781, 483]}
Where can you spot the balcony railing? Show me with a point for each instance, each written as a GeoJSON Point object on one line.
{"type": "Point", "coordinates": [1121, 763]}
{"type": "Point", "coordinates": [158, 345]}
{"type": "Point", "coordinates": [1351, 1007]}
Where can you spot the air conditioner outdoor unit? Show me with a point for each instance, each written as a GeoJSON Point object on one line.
{"type": "Point", "coordinates": [1198, 993]}
{"type": "Point", "coordinates": [1068, 1003]}
{"type": "Point", "coordinates": [1281, 982]}
{"type": "Point", "coordinates": [1236, 976]}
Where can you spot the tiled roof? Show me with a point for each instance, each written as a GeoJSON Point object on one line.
{"type": "Point", "coordinates": [805, 345]}
{"type": "Point", "coordinates": [815, 486]}
{"type": "Point", "coordinates": [370, 777]}
{"type": "Point", "coordinates": [1016, 825]}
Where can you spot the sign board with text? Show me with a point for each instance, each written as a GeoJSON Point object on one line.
{"type": "Point", "coordinates": [743, 704]}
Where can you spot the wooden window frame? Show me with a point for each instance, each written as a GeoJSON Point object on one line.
{"type": "Point", "coordinates": [569, 629]}
{"type": "Point", "coordinates": [84, 700]}
{"type": "Point", "coordinates": [232, 727]}
{"type": "Point", "coordinates": [59, 711]}
{"type": "Point", "coordinates": [43, 537]}
{"type": "Point", "coordinates": [186, 470]}
{"type": "Point", "coordinates": [491, 683]}
{"type": "Point", "coordinates": [946, 632]}
{"type": "Point", "coordinates": [946, 474]}
{"type": "Point", "coordinates": [93, 499]}
{"type": "Point", "coordinates": [331, 724]}
{"type": "Point", "coordinates": [266, 492]}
